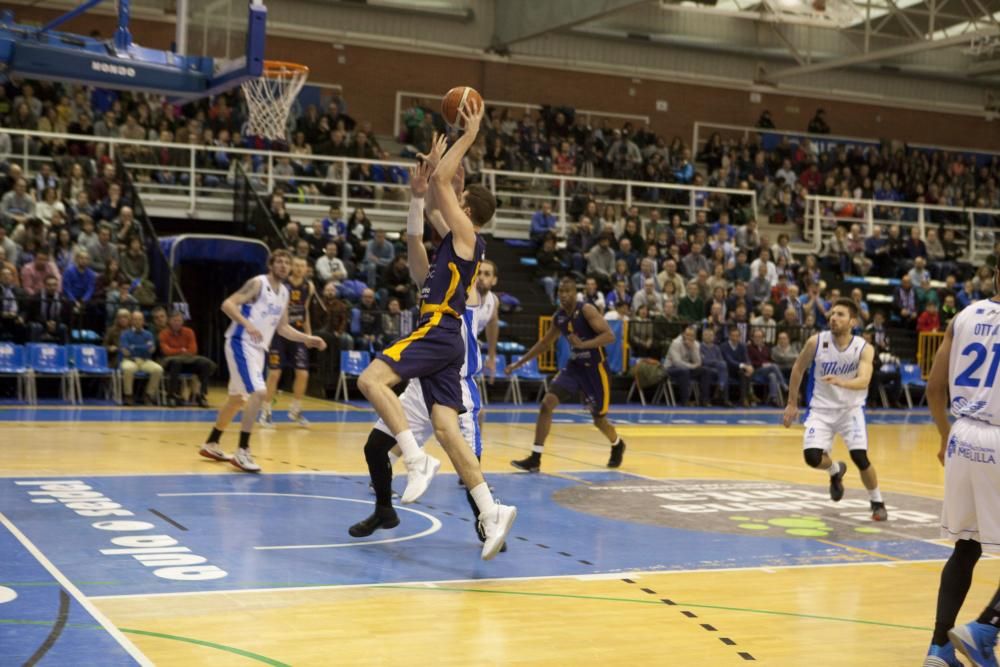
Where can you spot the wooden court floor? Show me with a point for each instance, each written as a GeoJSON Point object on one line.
{"type": "Point", "coordinates": [706, 593]}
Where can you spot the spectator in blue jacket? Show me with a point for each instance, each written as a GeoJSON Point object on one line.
{"type": "Point", "coordinates": [542, 223]}
{"type": "Point", "coordinates": [79, 281]}
{"type": "Point", "coordinates": [738, 364]}
{"type": "Point", "coordinates": [136, 347]}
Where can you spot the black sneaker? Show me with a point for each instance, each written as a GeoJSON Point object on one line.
{"type": "Point", "coordinates": [837, 483]}
{"type": "Point", "coordinates": [201, 401]}
{"type": "Point", "coordinates": [532, 463]}
{"type": "Point", "coordinates": [617, 451]}
{"type": "Point", "coordinates": [382, 517]}
{"type": "Point", "coordinates": [878, 512]}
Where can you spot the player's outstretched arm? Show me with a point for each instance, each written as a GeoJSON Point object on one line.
{"type": "Point", "coordinates": [600, 326]}
{"type": "Point", "coordinates": [439, 144]}
{"type": "Point", "coordinates": [937, 390]}
{"type": "Point", "coordinates": [231, 307]}
{"type": "Point", "coordinates": [864, 376]}
{"type": "Point", "coordinates": [463, 233]}
{"type": "Point", "coordinates": [795, 381]}
{"type": "Point", "coordinates": [544, 343]}
{"type": "Point", "coordinates": [416, 253]}
{"type": "Point", "coordinates": [286, 330]}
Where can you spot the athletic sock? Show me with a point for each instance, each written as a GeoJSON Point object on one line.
{"type": "Point", "coordinates": [483, 498]}
{"type": "Point", "coordinates": [408, 444]}
{"type": "Point", "coordinates": [244, 440]}
{"type": "Point", "coordinates": [834, 469]}
{"type": "Point", "coordinates": [991, 615]}
{"type": "Point", "coordinates": [536, 450]}
{"type": "Point", "coordinates": [296, 406]}
{"type": "Point", "coordinates": [875, 495]}
{"type": "Point", "coordinates": [956, 578]}
{"type": "Point", "coordinates": [213, 437]}
{"type": "Point", "coordinates": [617, 442]}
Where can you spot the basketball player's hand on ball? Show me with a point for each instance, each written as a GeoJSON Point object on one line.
{"type": "Point", "coordinates": [420, 177]}
{"type": "Point", "coordinates": [439, 144]}
{"type": "Point", "coordinates": [790, 416]}
{"type": "Point", "coordinates": [471, 114]}
{"type": "Point", "coordinates": [316, 342]}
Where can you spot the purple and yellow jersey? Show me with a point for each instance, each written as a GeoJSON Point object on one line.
{"type": "Point", "coordinates": [450, 279]}
{"type": "Point", "coordinates": [576, 323]}
{"type": "Point", "coordinates": [298, 301]}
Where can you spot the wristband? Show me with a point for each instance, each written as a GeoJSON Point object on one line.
{"type": "Point", "coordinates": [415, 217]}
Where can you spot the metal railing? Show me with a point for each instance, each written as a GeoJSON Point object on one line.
{"type": "Point", "coordinates": [975, 228]}
{"type": "Point", "coordinates": [199, 180]}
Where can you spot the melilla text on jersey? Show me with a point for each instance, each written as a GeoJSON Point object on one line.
{"type": "Point", "coordinates": [836, 368]}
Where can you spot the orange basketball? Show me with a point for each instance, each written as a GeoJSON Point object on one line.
{"type": "Point", "coordinates": [455, 99]}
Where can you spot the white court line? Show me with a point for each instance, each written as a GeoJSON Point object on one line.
{"type": "Point", "coordinates": [770, 569]}
{"type": "Point", "coordinates": [435, 523]}
{"type": "Point", "coordinates": [68, 586]}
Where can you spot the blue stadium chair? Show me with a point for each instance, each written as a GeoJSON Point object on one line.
{"type": "Point", "coordinates": [352, 364]}
{"type": "Point", "coordinates": [50, 360]}
{"type": "Point", "coordinates": [530, 373]}
{"type": "Point", "coordinates": [882, 394]}
{"type": "Point", "coordinates": [92, 361]}
{"type": "Point", "coordinates": [513, 393]}
{"type": "Point", "coordinates": [911, 377]}
{"type": "Point", "coordinates": [13, 364]}
{"type": "Point", "coordinates": [615, 352]}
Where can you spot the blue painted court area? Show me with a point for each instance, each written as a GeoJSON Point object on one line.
{"type": "Point", "coordinates": [360, 413]}
{"type": "Point", "coordinates": [40, 621]}
{"type": "Point", "coordinates": [230, 531]}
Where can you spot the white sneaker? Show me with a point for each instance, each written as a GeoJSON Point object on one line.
{"type": "Point", "coordinates": [298, 418]}
{"type": "Point", "coordinates": [419, 473]}
{"type": "Point", "coordinates": [495, 525]}
{"type": "Point", "coordinates": [243, 460]}
{"type": "Point", "coordinates": [264, 419]}
{"type": "Point", "coordinates": [211, 450]}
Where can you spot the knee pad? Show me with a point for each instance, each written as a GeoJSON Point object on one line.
{"type": "Point", "coordinates": [860, 458]}
{"type": "Point", "coordinates": [379, 442]}
{"type": "Point", "coordinates": [813, 457]}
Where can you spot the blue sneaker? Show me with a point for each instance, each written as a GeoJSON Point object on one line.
{"type": "Point", "coordinates": [941, 656]}
{"type": "Point", "coordinates": [976, 642]}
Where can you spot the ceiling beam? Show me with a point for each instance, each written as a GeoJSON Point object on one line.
{"type": "Point", "coordinates": [882, 54]}
{"type": "Point", "coordinates": [518, 20]}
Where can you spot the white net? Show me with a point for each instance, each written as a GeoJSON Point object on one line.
{"type": "Point", "coordinates": [271, 96]}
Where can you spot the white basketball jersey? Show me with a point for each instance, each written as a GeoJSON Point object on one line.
{"type": "Point", "coordinates": [974, 366]}
{"type": "Point", "coordinates": [264, 313]}
{"type": "Point", "coordinates": [831, 361]}
{"type": "Point", "coordinates": [475, 320]}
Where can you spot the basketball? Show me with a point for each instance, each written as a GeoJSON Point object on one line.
{"type": "Point", "coordinates": [819, 5]}
{"type": "Point", "coordinates": [454, 100]}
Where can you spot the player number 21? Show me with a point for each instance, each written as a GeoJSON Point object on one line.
{"type": "Point", "coordinates": [979, 353]}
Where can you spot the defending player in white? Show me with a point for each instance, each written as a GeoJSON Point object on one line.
{"type": "Point", "coordinates": [257, 310]}
{"type": "Point", "coordinates": [965, 368]}
{"type": "Point", "coordinates": [840, 368]}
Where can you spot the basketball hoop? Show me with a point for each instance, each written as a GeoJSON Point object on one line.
{"type": "Point", "coordinates": [270, 97]}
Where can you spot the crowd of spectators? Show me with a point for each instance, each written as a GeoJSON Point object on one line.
{"type": "Point", "coordinates": [72, 253]}
{"type": "Point", "coordinates": [709, 289]}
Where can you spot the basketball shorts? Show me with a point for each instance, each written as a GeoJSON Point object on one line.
{"type": "Point", "coordinates": [589, 381]}
{"type": "Point", "coordinates": [434, 353]}
{"type": "Point", "coordinates": [285, 354]}
{"type": "Point", "coordinates": [971, 508]}
{"type": "Point", "coordinates": [823, 425]}
{"type": "Point", "coordinates": [419, 420]}
{"type": "Point", "coordinates": [246, 367]}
